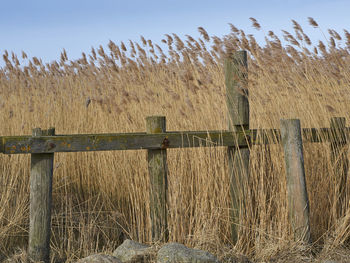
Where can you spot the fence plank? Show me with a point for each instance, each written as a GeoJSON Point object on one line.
{"type": "Point", "coordinates": [298, 202]}
{"type": "Point", "coordinates": [40, 202]}
{"type": "Point", "coordinates": [238, 120]}
{"type": "Point", "coordinates": [158, 170]}
{"type": "Point", "coordinates": [138, 141]}
{"type": "Point", "coordinates": [340, 163]}
{"type": "Point", "coordinates": [122, 141]}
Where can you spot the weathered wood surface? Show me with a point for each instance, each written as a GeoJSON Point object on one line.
{"type": "Point", "coordinates": [158, 173]}
{"type": "Point", "coordinates": [238, 120]}
{"type": "Point", "coordinates": [339, 158]}
{"type": "Point", "coordinates": [108, 142]}
{"type": "Point", "coordinates": [236, 89]}
{"type": "Point", "coordinates": [40, 202]}
{"type": "Point", "coordinates": [137, 141]}
{"type": "Point", "coordinates": [273, 136]}
{"type": "Point", "coordinates": [298, 202]}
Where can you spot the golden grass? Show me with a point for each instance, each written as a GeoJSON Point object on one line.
{"type": "Point", "coordinates": [101, 198]}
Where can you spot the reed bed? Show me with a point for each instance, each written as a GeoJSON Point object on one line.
{"type": "Point", "coordinates": [101, 198]}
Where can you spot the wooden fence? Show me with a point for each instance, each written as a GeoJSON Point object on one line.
{"type": "Point", "coordinates": [238, 138]}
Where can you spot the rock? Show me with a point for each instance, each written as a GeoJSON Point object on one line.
{"type": "Point", "coordinates": [131, 251]}
{"type": "Point", "coordinates": [99, 258]}
{"type": "Point", "coordinates": [175, 252]}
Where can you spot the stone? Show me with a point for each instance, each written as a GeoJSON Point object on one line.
{"type": "Point", "coordinates": [131, 251]}
{"type": "Point", "coordinates": [99, 258]}
{"type": "Point", "coordinates": [175, 252]}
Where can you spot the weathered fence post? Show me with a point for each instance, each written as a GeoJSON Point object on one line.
{"type": "Point", "coordinates": [238, 119]}
{"type": "Point", "coordinates": [158, 170]}
{"type": "Point", "coordinates": [298, 202]}
{"type": "Point", "coordinates": [340, 163]}
{"type": "Point", "coordinates": [40, 202]}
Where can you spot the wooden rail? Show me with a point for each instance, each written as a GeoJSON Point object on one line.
{"type": "Point", "coordinates": [165, 140]}
{"type": "Point", "coordinates": [238, 139]}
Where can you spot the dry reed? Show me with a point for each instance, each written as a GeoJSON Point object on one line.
{"type": "Point", "coordinates": [102, 198]}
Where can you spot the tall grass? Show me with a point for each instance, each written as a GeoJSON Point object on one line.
{"type": "Point", "coordinates": [101, 198]}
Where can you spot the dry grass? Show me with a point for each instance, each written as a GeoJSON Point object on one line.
{"type": "Point", "coordinates": [101, 198]}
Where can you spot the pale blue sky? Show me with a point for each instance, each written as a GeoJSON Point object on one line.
{"type": "Point", "coordinates": [43, 28]}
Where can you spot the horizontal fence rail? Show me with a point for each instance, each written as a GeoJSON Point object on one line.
{"type": "Point", "coordinates": [167, 140]}
{"type": "Point", "coordinates": [118, 141]}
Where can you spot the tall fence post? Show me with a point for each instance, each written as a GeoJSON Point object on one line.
{"type": "Point", "coordinates": [238, 119]}
{"type": "Point", "coordinates": [340, 163]}
{"type": "Point", "coordinates": [298, 202]}
{"type": "Point", "coordinates": [40, 202]}
{"type": "Point", "coordinates": [158, 170]}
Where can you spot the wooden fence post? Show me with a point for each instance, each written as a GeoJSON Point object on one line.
{"type": "Point", "coordinates": [298, 202]}
{"type": "Point", "coordinates": [40, 202]}
{"type": "Point", "coordinates": [158, 170]}
{"type": "Point", "coordinates": [340, 163]}
{"type": "Point", "coordinates": [238, 119]}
